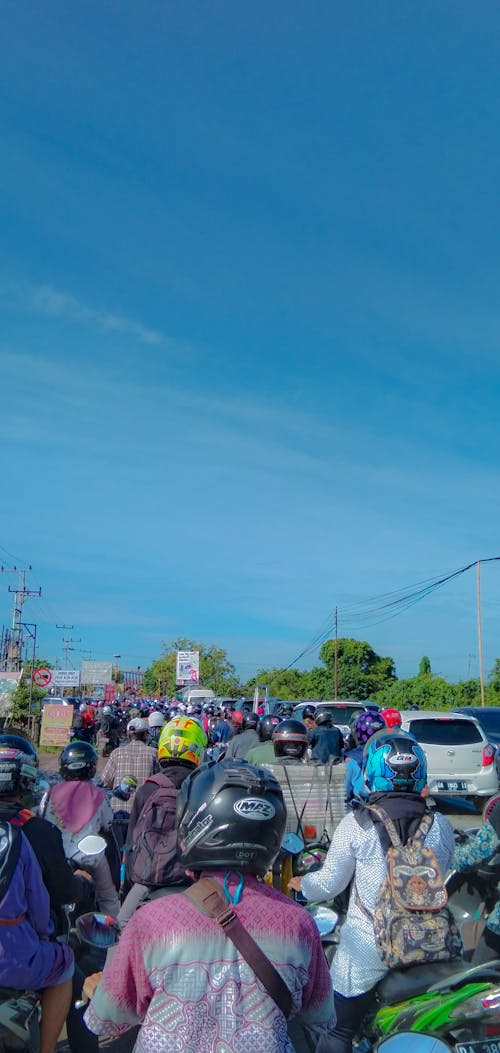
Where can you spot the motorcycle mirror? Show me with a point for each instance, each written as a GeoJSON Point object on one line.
{"type": "Point", "coordinates": [292, 844]}
{"type": "Point", "coordinates": [325, 920]}
{"type": "Point", "coordinates": [418, 1043]}
{"type": "Point", "coordinates": [92, 845]}
{"type": "Point", "coordinates": [98, 930]}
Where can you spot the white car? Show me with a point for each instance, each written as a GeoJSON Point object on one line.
{"type": "Point", "coordinates": [460, 760]}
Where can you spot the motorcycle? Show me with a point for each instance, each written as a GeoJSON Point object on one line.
{"type": "Point", "coordinates": [89, 935]}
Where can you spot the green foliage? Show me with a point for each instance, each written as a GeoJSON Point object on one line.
{"type": "Point", "coordinates": [427, 692]}
{"type": "Point", "coordinates": [424, 668]}
{"type": "Point", "coordinates": [361, 671]}
{"type": "Point", "coordinates": [216, 671]}
{"type": "Point", "coordinates": [26, 698]}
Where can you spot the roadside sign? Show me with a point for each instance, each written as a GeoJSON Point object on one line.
{"type": "Point", "coordinates": [42, 677]}
{"type": "Point", "coordinates": [56, 724]}
{"type": "Point", "coordinates": [66, 677]}
{"type": "Point", "coordinates": [187, 668]}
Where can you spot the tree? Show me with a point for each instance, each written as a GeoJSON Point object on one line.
{"type": "Point", "coordinates": [282, 683]}
{"type": "Point", "coordinates": [216, 671]}
{"type": "Point", "coordinates": [27, 697]}
{"type": "Point", "coordinates": [426, 692]}
{"type": "Point", "coordinates": [424, 668]}
{"type": "Point", "coordinates": [360, 670]}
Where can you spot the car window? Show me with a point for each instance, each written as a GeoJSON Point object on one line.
{"type": "Point", "coordinates": [445, 732]}
{"type": "Point", "coordinates": [341, 714]}
{"type": "Point", "coordinates": [490, 722]}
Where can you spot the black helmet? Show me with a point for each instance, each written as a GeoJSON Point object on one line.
{"type": "Point", "coordinates": [290, 739]}
{"type": "Point", "coordinates": [11, 765]}
{"type": "Point", "coordinates": [15, 741]}
{"type": "Point", "coordinates": [250, 720]}
{"type": "Point", "coordinates": [78, 760]}
{"type": "Point", "coordinates": [230, 815]}
{"type": "Point", "coordinates": [266, 728]}
{"type": "Point", "coordinates": [23, 748]}
{"type": "Point", "coordinates": [324, 719]}
{"type": "Point", "coordinates": [308, 713]}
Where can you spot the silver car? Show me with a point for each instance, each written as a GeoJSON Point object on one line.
{"type": "Point", "coordinates": [460, 760]}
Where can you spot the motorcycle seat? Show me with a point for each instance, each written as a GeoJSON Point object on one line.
{"type": "Point", "coordinates": [399, 984]}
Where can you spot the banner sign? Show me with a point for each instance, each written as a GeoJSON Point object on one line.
{"type": "Point", "coordinates": [56, 723]}
{"type": "Point", "coordinates": [187, 668]}
{"type": "Point", "coordinates": [109, 692]}
{"type": "Point", "coordinates": [96, 673]}
{"type": "Point", "coordinates": [8, 684]}
{"type": "Point", "coordinates": [66, 677]}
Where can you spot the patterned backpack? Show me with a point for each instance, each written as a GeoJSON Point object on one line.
{"type": "Point", "coordinates": [411, 921]}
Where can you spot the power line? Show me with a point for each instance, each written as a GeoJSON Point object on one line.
{"type": "Point", "coordinates": [384, 607]}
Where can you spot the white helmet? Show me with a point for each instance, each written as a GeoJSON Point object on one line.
{"type": "Point", "coordinates": [137, 724]}
{"type": "Point", "coordinates": [106, 710]}
{"type": "Point", "coordinates": [156, 719]}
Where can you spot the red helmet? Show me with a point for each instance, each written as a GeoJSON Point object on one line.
{"type": "Point", "coordinates": [392, 717]}
{"type": "Point", "coordinates": [237, 717]}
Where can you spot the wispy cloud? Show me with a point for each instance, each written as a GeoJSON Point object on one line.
{"type": "Point", "coordinates": [54, 303]}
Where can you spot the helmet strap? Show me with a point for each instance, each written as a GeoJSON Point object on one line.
{"type": "Point", "coordinates": [239, 888]}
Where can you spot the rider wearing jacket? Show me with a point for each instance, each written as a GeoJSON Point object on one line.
{"type": "Point", "coordinates": [78, 808]}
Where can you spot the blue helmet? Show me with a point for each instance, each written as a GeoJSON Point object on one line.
{"type": "Point", "coordinates": [394, 760]}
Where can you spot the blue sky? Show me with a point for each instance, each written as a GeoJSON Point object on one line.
{"type": "Point", "coordinates": [249, 341]}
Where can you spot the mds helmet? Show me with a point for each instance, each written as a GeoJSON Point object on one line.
{"type": "Point", "coordinates": [366, 724]}
{"type": "Point", "coordinates": [394, 760]}
{"type": "Point", "coordinates": [230, 815]}
{"type": "Point", "coordinates": [267, 727]}
{"type": "Point", "coordinates": [290, 739]}
{"type": "Point", "coordinates": [251, 721]}
{"type": "Point", "coordinates": [183, 740]}
{"type": "Point", "coordinates": [78, 760]}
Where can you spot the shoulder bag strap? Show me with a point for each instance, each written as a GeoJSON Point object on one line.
{"type": "Point", "coordinates": [209, 898]}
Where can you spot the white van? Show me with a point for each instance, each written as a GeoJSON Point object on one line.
{"type": "Point", "coordinates": [198, 694]}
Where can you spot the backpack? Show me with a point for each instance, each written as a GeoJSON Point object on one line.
{"type": "Point", "coordinates": [10, 847]}
{"type": "Point", "coordinates": [411, 921]}
{"type": "Point", "coordinates": [152, 858]}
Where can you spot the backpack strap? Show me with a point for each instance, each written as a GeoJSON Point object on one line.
{"type": "Point", "coordinates": [387, 823]}
{"type": "Point", "coordinates": [210, 899]}
{"type": "Point", "coordinates": [423, 826]}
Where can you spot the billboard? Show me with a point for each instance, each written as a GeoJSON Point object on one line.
{"type": "Point", "coordinates": [66, 677]}
{"type": "Point", "coordinates": [187, 668]}
{"type": "Point", "coordinates": [56, 724]}
{"type": "Point", "coordinates": [96, 673]}
{"type": "Point", "coordinates": [8, 684]}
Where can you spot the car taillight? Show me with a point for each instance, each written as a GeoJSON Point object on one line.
{"type": "Point", "coordinates": [488, 755]}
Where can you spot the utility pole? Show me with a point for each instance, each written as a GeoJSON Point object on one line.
{"type": "Point", "coordinates": [67, 648]}
{"type": "Point", "coordinates": [336, 657]}
{"type": "Point", "coordinates": [21, 593]}
{"type": "Point", "coordinates": [480, 632]}
{"type": "Point", "coordinates": [66, 642]}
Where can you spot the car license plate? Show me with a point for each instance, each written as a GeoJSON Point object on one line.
{"type": "Point", "coordinates": [478, 1047]}
{"type": "Point", "coordinates": [450, 786]}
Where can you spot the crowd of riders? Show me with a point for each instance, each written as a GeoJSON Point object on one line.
{"type": "Point", "coordinates": [190, 808]}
